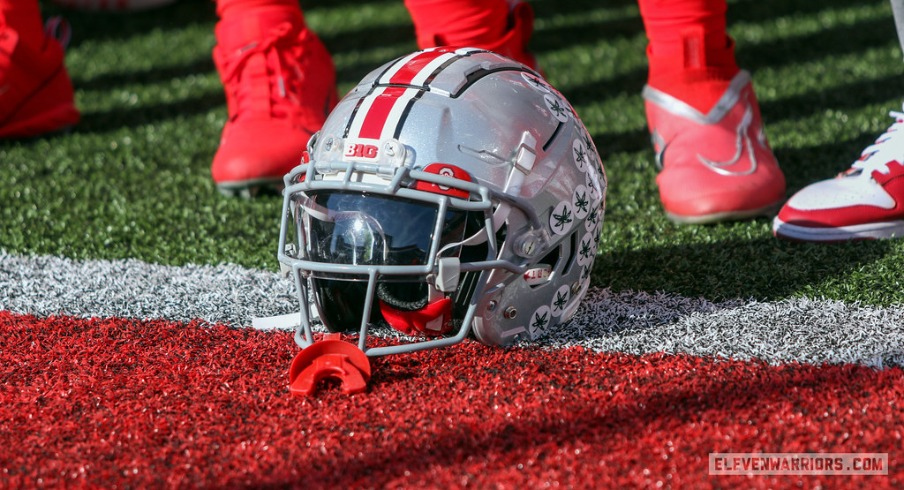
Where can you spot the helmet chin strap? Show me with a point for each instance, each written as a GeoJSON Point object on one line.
{"type": "Point", "coordinates": [433, 319]}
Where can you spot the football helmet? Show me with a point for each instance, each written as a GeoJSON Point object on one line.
{"type": "Point", "coordinates": [451, 191]}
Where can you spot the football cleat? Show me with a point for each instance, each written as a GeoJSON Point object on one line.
{"type": "Point", "coordinates": [112, 5]}
{"type": "Point", "coordinates": [280, 84]}
{"type": "Point", "coordinates": [715, 166]}
{"type": "Point", "coordinates": [865, 202]}
{"type": "Point", "coordinates": [36, 94]}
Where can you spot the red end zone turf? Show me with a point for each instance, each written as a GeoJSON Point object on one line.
{"type": "Point", "coordinates": [120, 403]}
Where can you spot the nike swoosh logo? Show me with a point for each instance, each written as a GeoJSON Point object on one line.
{"type": "Point", "coordinates": [742, 143]}
{"type": "Point", "coordinates": [659, 146]}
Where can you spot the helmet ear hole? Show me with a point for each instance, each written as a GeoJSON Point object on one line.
{"type": "Point", "coordinates": [567, 251]}
{"type": "Point", "coordinates": [572, 245]}
{"type": "Point", "coordinates": [552, 258]}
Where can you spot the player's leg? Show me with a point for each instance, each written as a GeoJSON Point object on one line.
{"type": "Point", "coordinates": [498, 25]}
{"type": "Point", "coordinates": [37, 93]}
{"type": "Point", "coordinates": [704, 118]}
{"type": "Point", "coordinates": [864, 202]}
{"type": "Point", "coordinates": [897, 9]}
{"type": "Point", "coordinates": [112, 5]}
{"type": "Point", "coordinates": [280, 84]}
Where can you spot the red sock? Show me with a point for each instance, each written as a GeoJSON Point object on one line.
{"type": "Point", "coordinates": [231, 8]}
{"type": "Point", "coordinates": [458, 22]}
{"type": "Point", "coordinates": [24, 16]}
{"type": "Point", "coordinates": [690, 53]}
{"type": "Point", "coordinates": [502, 26]}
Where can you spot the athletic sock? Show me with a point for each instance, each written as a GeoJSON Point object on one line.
{"type": "Point", "coordinates": [690, 54]}
{"type": "Point", "coordinates": [231, 8]}
{"type": "Point", "coordinates": [458, 22]}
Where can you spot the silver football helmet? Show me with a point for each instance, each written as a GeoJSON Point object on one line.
{"type": "Point", "coordinates": [451, 191]}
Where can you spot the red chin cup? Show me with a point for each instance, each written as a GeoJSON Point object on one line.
{"type": "Point", "coordinates": [433, 319]}
{"type": "Point", "coordinates": [329, 358]}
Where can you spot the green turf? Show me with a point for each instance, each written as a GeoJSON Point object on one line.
{"type": "Point", "coordinates": [133, 180]}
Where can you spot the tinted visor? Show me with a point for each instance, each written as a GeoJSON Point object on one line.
{"type": "Point", "coordinates": [352, 228]}
{"type": "Point", "coordinates": [369, 229]}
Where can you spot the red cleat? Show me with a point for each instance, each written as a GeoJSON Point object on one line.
{"type": "Point", "coordinates": [36, 94]}
{"type": "Point", "coordinates": [716, 166]}
{"type": "Point", "coordinates": [280, 85]}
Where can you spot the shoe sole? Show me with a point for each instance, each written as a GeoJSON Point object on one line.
{"type": "Point", "coordinates": [740, 215]}
{"type": "Point", "coordinates": [870, 231]}
{"type": "Point", "coordinates": [59, 119]}
{"type": "Point", "coordinates": [249, 189]}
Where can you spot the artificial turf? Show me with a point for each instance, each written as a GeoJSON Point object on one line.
{"type": "Point", "coordinates": [115, 403]}
{"type": "Point", "coordinates": [132, 180]}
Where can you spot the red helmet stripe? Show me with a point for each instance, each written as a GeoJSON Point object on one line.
{"type": "Point", "coordinates": [383, 110]}
{"type": "Point", "coordinates": [418, 68]}
{"type": "Point", "coordinates": [377, 114]}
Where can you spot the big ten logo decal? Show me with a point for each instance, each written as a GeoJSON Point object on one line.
{"type": "Point", "coordinates": [357, 150]}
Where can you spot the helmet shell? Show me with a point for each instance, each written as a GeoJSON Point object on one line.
{"type": "Point", "coordinates": [514, 135]}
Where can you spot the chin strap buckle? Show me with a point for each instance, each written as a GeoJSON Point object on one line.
{"type": "Point", "coordinates": [329, 358]}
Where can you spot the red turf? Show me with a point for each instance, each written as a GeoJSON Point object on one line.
{"type": "Point", "coordinates": [119, 403]}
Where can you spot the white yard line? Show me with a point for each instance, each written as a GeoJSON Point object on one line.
{"type": "Point", "coordinates": [803, 330]}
